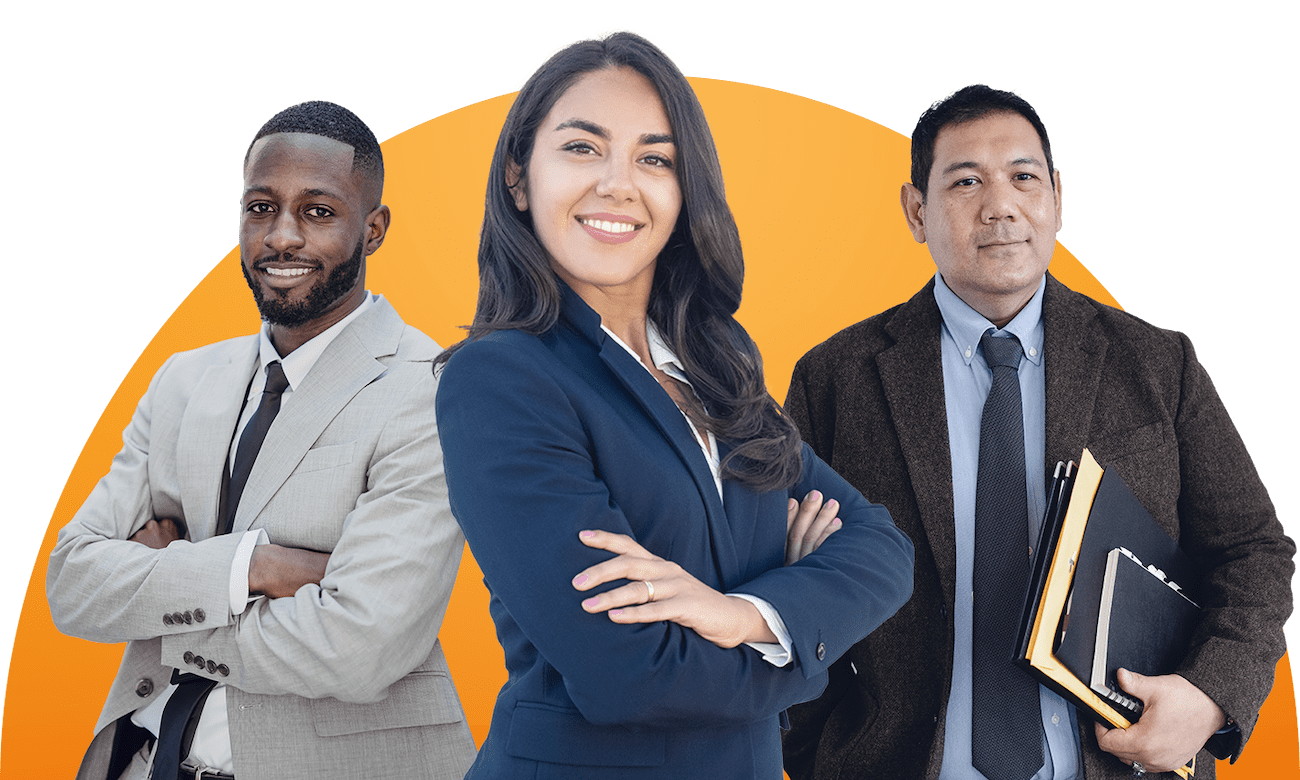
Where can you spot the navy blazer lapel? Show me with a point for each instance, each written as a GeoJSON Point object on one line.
{"type": "Point", "coordinates": [911, 375]}
{"type": "Point", "coordinates": [346, 366]}
{"type": "Point", "coordinates": [203, 441]}
{"type": "Point", "coordinates": [661, 408]}
{"type": "Point", "coordinates": [1074, 351]}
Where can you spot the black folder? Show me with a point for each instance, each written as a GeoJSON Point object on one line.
{"type": "Point", "coordinates": [1090, 512]}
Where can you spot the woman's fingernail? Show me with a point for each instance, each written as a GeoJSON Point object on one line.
{"type": "Point", "coordinates": [616, 612]}
{"type": "Point", "coordinates": [578, 580]}
{"type": "Point", "coordinates": [591, 602]}
{"type": "Point", "coordinates": [587, 534]}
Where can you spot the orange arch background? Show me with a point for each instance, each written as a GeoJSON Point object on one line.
{"type": "Point", "coordinates": [815, 193]}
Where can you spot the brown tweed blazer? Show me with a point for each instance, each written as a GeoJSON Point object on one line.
{"type": "Point", "coordinates": [870, 402]}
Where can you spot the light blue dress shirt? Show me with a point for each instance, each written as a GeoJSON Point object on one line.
{"type": "Point", "coordinates": [966, 382]}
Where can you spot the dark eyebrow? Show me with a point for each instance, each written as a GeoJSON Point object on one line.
{"type": "Point", "coordinates": [969, 165]}
{"type": "Point", "coordinates": [584, 126]}
{"type": "Point", "coordinates": [602, 133]}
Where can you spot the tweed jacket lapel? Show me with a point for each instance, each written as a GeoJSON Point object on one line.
{"type": "Point", "coordinates": [911, 374]}
{"type": "Point", "coordinates": [1074, 353]}
{"type": "Point", "coordinates": [346, 366]}
{"type": "Point", "coordinates": [203, 443]}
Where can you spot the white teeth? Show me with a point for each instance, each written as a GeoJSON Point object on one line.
{"type": "Point", "coordinates": [286, 271]}
{"type": "Point", "coordinates": [609, 227]}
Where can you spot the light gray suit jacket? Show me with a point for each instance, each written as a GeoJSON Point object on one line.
{"type": "Point", "coordinates": [344, 679]}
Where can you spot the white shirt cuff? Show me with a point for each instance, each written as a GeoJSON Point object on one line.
{"type": "Point", "coordinates": [774, 653]}
{"type": "Point", "coordinates": [239, 568]}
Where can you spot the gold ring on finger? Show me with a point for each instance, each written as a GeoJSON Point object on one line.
{"type": "Point", "coordinates": [650, 591]}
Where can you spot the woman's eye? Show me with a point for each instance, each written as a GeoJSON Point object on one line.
{"type": "Point", "coordinates": [581, 147]}
{"type": "Point", "coordinates": [657, 160]}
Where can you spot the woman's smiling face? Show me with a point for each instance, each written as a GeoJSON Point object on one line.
{"type": "Point", "coordinates": [601, 185]}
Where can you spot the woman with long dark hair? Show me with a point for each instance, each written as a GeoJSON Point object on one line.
{"type": "Point", "coordinates": [623, 477]}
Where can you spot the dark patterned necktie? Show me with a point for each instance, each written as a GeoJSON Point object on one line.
{"type": "Point", "coordinates": [176, 730]}
{"type": "Point", "coordinates": [1006, 728]}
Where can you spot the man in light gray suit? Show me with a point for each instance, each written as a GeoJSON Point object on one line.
{"type": "Point", "coordinates": [274, 540]}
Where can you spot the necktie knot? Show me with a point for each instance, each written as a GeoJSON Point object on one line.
{"type": "Point", "coordinates": [1001, 352]}
{"type": "Point", "coordinates": [276, 382]}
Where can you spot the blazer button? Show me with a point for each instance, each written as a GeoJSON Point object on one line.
{"type": "Point", "coordinates": [223, 670]}
{"type": "Point", "coordinates": [178, 618]}
{"type": "Point", "coordinates": [144, 687]}
{"type": "Point", "coordinates": [212, 666]}
{"type": "Point", "coordinates": [200, 616]}
{"type": "Point", "coordinates": [188, 657]}
{"type": "Point", "coordinates": [167, 620]}
{"type": "Point", "coordinates": [198, 661]}
{"type": "Point", "coordinates": [188, 617]}
{"type": "Point", "coordinates": [821, 651]}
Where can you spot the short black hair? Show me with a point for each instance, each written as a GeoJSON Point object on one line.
{"type": "Point", "coordinates": [966, 105]}
{"type": "Point", "coordinates": [329, 120]}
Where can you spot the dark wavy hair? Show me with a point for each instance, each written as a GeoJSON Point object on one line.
{"type": "Point", "coordinates": [967, 105]}
{"type": "Point", "coordinates": [698, 275]}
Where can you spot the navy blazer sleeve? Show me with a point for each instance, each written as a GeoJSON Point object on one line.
{"type": "Point", "coordinates": [526, 476]}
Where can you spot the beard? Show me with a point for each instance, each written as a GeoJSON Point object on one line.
{"type": "Point", "coordinates": [277, 310]}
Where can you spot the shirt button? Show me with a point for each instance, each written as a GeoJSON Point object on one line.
{"type": "Point", "coordinates": [144, 687]}
{"type": "Point", "coordinates": [1033, 352]}
{"type": "Point", "coordinates": [821, 651]}
{"type": "Point", "coordinates": [1056, 720]}
{"type": "Point", "coordinates": [968, 352]}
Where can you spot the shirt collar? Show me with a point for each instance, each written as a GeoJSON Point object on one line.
{"type": "Point", "coordinates": [299, 362]}
{"type": "Point", "coordinates": [965, 326]}
{"type": "Point", "coordinates": [660, 354]}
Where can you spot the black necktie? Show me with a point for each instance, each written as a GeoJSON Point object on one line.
{"type": "Point", "coordinates": [251, 442]}
{"type": "Point", "coordinates": [176, 730]}
{"type": "Point", "coordinates": [1006, 727]}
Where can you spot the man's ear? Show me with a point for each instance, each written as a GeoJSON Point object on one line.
{"type": "Point", "coordinates": [914, 210]}
{"type": "Point", "coordinates": [377, 223]}
{"type": "Point", "coordinates": [517, 184]}
{"type": "Point", "coordinates": [1056, 187]}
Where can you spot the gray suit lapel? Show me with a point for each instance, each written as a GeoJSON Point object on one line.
{"type": "Point", "coordinates": [347, 365]}
{"type": "Point", "coordinates": [911, 374]}
{"type": "Point", "coordinates": [1074, 352]}
{"type": "Point", "coordinates": [203, 442]}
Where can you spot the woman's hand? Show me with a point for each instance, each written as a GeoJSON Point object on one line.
{"type": "Point", "coordinates": [662, 590]}
{"type": "Point", "coordinates": [808, 524]}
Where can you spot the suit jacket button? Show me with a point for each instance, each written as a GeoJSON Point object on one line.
{"type": "Point", "coordinates": [198, 661]}
{"type": "Point", "coordinates": [167, 620]}
{"type": "Point", "coordinates": [212, 666]}
{"type": "Point", "coordinates": [178, 618]}
{"type": "Point", "coordinates": [188, 657]}
{"type": "Point", "coordinates": [199, 615]}
{"type": "Point", "coordinates": [821, 651]}
{"type": "Point", "coordinates": [144, 687]}
{"type": "Point", "coordinates": [223, 670]}
{"type": "Point", "coordinates": [188, 617]}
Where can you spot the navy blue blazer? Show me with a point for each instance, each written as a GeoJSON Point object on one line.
{"type": "Point", "coordinates": [546, 436]}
